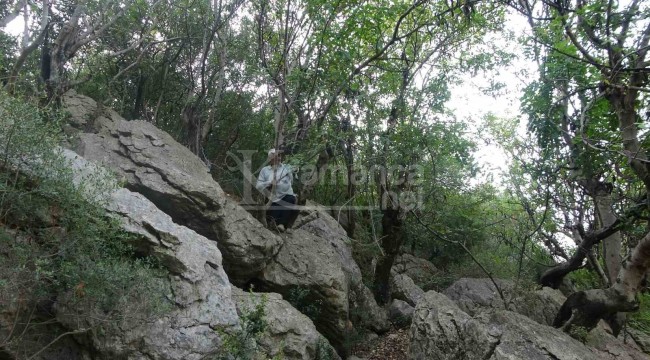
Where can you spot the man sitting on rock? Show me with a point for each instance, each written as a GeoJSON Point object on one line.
{"type": "Point", "coordinates": [277, 179]}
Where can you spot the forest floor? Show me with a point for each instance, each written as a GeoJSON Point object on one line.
{"type": "Point", "coordinates": [392, 345]}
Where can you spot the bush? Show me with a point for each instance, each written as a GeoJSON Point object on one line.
{"type": "Point", "coordinates": [301, 299]}
{"type": "Point", "coordinates": [242, 344]}
{"type": "Point", "coordinates": [56, 246]}
{"type": "Point", "coordinates": [640, 320]}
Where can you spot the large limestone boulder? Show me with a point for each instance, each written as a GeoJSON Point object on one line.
{"type": "Point", "coordinates": [199, 289]}
{"type": "Point", "coordinates": [308, 263]}
{"type": "Point", "coordinates": [364, 310]}
{"type": "Point", "coordinates": [289, 334]}
{"type": "Point", "coordinates": [441, 330]}
{"type": "Point", "coordinates": [400, 313]}
{"type": "Point", "coordinates": [176, 181]}
{"type": "Point", "coordinates": [327, 228]}
{"type": "Point", "coordinates": [540, 305]}
{"type": "Point", "coordinates": [422, 272]}
{"type": "Point", "coordinates": [476, 295]}
{"type": "Point", "coordinates": [438, 330]}
{"type": "Point", "coordinates": [403, 288]}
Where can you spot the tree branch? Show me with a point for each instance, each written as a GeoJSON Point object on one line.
{"type": "Point", "coordinates": [75, 332]}
{"type": "Point", "coordinates": [464, 247]}
{"type": "Point", "coordinates": [13, 13]}
{"type": "Point", "coordinates": [13, 76]}
{"type": "Point", "coordinates": [553, 277]}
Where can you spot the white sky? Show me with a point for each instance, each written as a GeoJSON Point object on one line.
{"type": "Point", "coordinates": [470, 104]}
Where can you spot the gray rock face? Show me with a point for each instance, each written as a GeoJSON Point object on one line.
{"type": "Point", "coordinates": [473, 295]}
{"type": "Point", "coordinates": [176, 181]}
{"type": "Point", "coordinates": [86, 115]}
{"type": "Point", "coordinates": [641, 339]}
{"type": "Point", "coordinates": [289, 333]}
{"type": "Point", "coordinates": [403, 288]}
{"type": "Point", "coordinates": [326, 227]}
{"type": "Point", "coordinates": [438, 329]}
{"type": "Point", "coordinates": [421, 271]}
{"type": "Point", "coordinates": [400, 313]}
{"type": "Point", "coordinates": [200, 290]}
{"type": "Point", "coordinates": [363, 309]}
{"type": "Point", "coordinates": [476, 295]}
{"type": "Point", "coordinates": [540, 305]}
{"type": "Point", "coordinates": [619, 348]}
{"type": "Point", "coordinates": [441, 330]}
{"type": "Point", "coordinates": [309, 263]}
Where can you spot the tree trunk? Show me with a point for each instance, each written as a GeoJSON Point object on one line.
{"type": "Point", "coordinates": [391, 242]}
{"type": "Point", "coordinates": [623, 102]}
{"type": "Point", "coordinates": [612, 243]}
{"type": "Point", "coordinates": [350, 222]}
{"type": "Point", "coordinates": [191, 118]}
{"type": "Point", "coordinates": [585, 308]}
{"type": "Point", "coordinates": [138, 106]}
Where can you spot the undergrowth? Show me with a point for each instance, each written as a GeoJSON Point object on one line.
{"type": "Point", "coordinates": [59, 253]}
{"type": "Point", "coordinates": [640, 320]}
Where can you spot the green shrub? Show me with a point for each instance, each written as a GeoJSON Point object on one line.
{"type": "Point", "coordinates": [579, 333]}
{"type": "Point", "coordinates": [324, 351]}
{"type": "Point", "coordinates": [242, 344]}
{"type": "Point", "coordinates": [300, 298]}
{"type": "Point", "coordinates": [55, 244]}
{"type": "Point", "coordinates": [640, 320]}
{"type": "Point", "coordinates": [584, 279]}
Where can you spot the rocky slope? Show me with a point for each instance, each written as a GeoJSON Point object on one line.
{"type": "Point", "coordinates": [314, 260]}
{"type": "Point", "coordinates": [212, 249]}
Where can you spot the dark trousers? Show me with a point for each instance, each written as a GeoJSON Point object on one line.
{"type": "Point", "coordinates": [282, 211]}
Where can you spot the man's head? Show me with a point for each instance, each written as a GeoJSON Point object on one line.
{"type": "Point", "coordinates": [274, 156]}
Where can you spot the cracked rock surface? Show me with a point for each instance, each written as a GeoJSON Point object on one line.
{"type": "Point", "coordinates": [153, 164]}
{"type": "Point", "coordinates": [363, 309]}
{"type": "Point", "coordinates": [308, 263]}
{"type": "Point", "coordinates": [476, 295]}
{"type": "Point", "coordinates": [422, 272]}
{"type": "Point", "coordinates": [199, 288]}
{"type": "Point", "coordinates": [403, 288]}
{"type": "Point", "coordinates": [441, 330]}
{"type": "Point", "coordinates": [289, 334]}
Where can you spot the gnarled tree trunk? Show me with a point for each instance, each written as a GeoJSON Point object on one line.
{"type": "Point", "coordinates": [586, 308]}
{"type": "Point", "coordinates": [612, 243]}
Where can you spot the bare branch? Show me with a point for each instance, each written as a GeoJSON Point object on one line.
{"type": "Point", "coordinates": [75, 332]}
{"type": "Point", "coordinates": [464, 247]}
{"type": "Point", "coordinates": [13, 76]}
{"type": "Point", "coordinates": [581, 48]}
{"type": "Point", "coordinates": [93, 33]}
{"type": "Point", "coordinates": [628, 14]}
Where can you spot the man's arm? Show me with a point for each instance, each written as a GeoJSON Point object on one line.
{"type": "Point", "coordinates": [263, 180]}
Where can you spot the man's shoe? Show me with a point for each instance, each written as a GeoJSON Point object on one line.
{"type": "Point", "coordinates": [281, 228]}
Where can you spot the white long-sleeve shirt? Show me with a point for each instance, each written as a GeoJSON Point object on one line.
{"type": "Point", "coordinates": [283, 180]}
